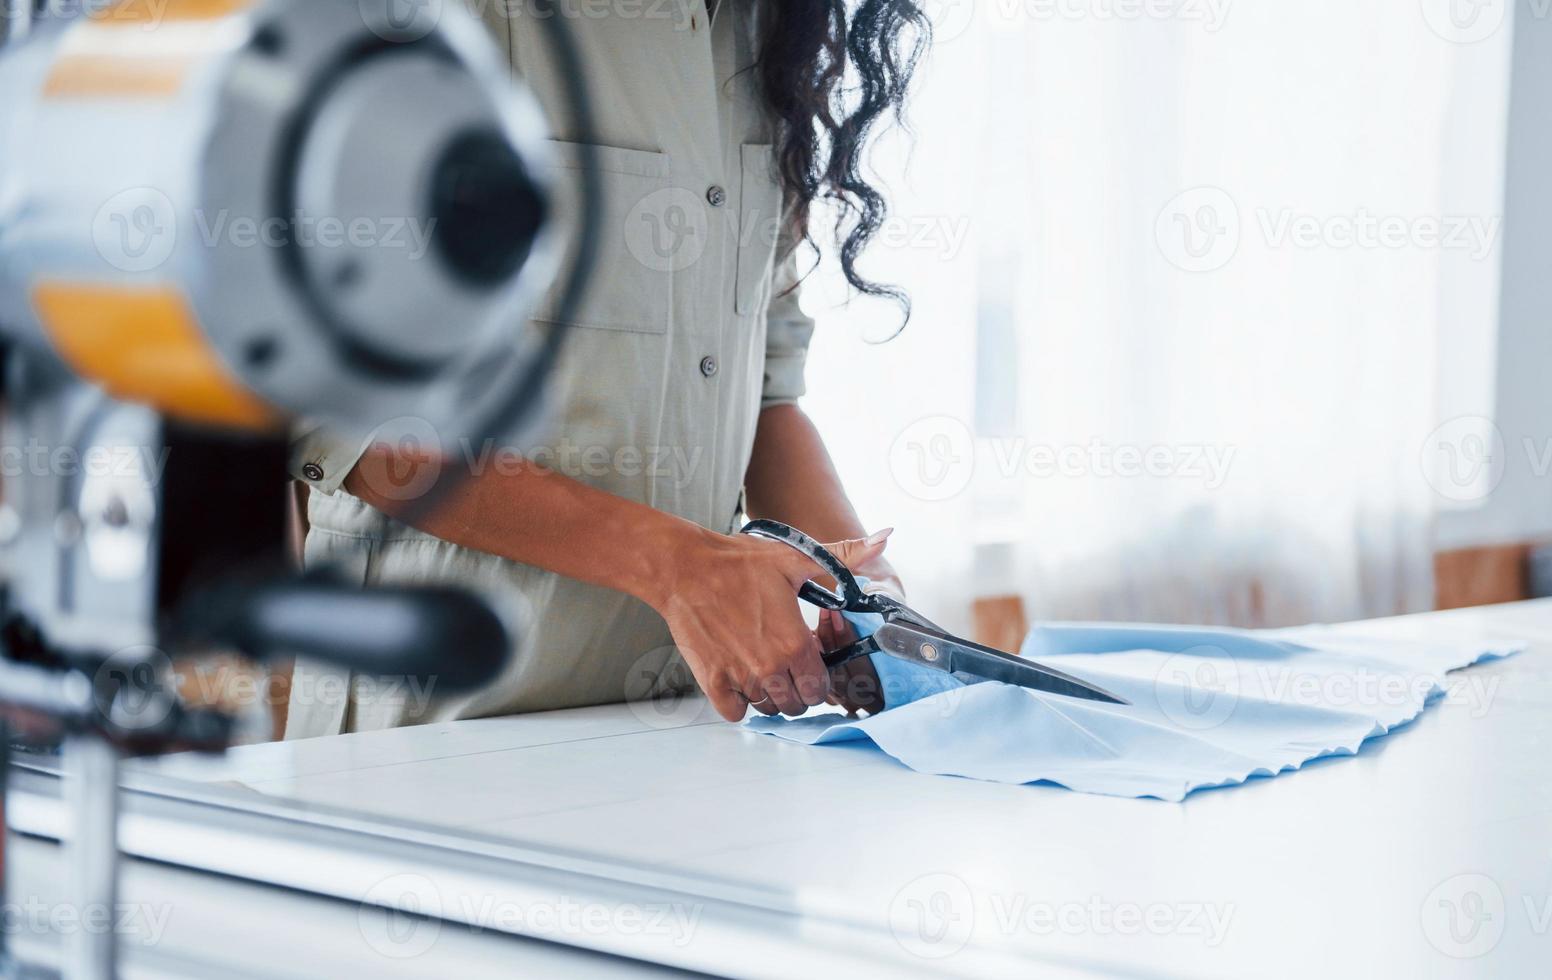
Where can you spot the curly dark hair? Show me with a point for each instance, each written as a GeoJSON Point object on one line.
{"type": "Point", "coordinates": [828, 71]}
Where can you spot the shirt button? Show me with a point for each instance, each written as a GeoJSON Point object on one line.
{"type": "Point", "coordinates": [716, 196]}
{"type": "Point", "coordinates": [312, 471]}
{"type": "Point", "coordinates": [708, 365]}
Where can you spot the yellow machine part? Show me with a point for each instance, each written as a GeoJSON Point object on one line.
{"type": "Point", "coordinates": [136, 49]}
{"type": "Point", "coordinates": [145, 345]}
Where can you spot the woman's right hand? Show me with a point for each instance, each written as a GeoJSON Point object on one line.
{"type": "Point", "coordinates": [731, 603]}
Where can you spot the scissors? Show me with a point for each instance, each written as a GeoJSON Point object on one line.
{"type": "Point", "coordinates": [909, 635]}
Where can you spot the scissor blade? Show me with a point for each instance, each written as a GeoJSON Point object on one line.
{"type": "Point", "coordinates": [998, 666]}
{"type": "Point", "coordinates": [964, 657]}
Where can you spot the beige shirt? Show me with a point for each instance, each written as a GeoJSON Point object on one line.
{"type": "Point", "coordinates": [685, 333]}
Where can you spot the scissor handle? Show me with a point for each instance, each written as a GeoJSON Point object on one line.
{"type": "Point", "coordinates": [851, 596]}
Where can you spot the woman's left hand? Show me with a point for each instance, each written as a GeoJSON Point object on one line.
{"type": "Point", "coordinates": [854, 684]}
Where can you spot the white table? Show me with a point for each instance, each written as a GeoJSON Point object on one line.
{"type": "Point", "coordinates": [1351, 867]}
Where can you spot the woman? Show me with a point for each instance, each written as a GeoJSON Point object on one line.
{"type": "Point", "coordinates": [675, 406]}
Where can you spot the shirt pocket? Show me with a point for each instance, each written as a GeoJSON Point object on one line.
{"type": "Point", "coordinates": [759, 224]}
{"type": "Point", "coordinates": [630, 288]}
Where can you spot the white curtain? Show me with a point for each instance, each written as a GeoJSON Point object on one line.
{"type": "Point", "coordinates": [1181, 272]}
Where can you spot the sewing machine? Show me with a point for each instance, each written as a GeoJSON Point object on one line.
{"type": "Point", "coordinates": [218, 217]}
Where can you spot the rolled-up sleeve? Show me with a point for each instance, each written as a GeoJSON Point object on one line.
{"type": "Point", "coordinates": [787, 333]}
{"type": "Point", "coordinates": [322, 459]}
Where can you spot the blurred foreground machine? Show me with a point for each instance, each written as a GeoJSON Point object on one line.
{"type": "Point", "coordinates": [217, 217]}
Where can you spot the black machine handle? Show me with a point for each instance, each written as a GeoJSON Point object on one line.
{"type": "Point", "coordinates": [448, 636]}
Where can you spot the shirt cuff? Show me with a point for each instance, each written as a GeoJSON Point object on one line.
{"type": "Point", "coordinates": [322, 460]}
{"type": "Point", "coordinates": [783, 378]}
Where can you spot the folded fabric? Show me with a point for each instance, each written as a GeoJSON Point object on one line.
{"type": "Point", "coordinates": [1209, 707]}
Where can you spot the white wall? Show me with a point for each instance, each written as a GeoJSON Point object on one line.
{"type": "Point", "coordinates": [1517, 393]}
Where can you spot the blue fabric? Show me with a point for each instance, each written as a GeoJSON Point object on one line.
{"type": "Point", "coordinates": [1208, 707]}
{"type": "Point", "coordinates": [900, 681]}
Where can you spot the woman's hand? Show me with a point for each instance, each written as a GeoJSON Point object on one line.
{"type": "Point", "coordinates": [731, 603]}
{"type": "Point", "coordinates": [854, 685]}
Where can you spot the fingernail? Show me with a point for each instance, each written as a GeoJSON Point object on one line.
{"type": "Point", "coordinates": [878, 537]}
